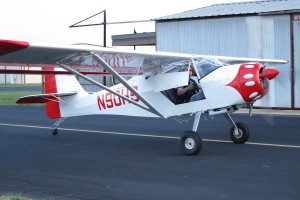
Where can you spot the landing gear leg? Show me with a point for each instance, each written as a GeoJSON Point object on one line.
{"type": "Point", "coordinates": [55, 126]}
{"type": "Point", "coordinates": [239, 132]}
{"type": "Point", "coordinates": [191, 142]}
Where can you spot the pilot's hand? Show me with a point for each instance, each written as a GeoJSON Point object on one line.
{"type": "Point", "coordinates": [191, 86]}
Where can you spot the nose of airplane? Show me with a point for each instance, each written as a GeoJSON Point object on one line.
{"type": "Point", "coordinates": [270, 73]}
{"type": "Point", "coordinates": [252, 81]}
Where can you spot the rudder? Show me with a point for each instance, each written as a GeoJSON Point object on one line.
{"type": "Point", "coordinates": [52, 107]}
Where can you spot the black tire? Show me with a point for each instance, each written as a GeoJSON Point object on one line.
{"type": "Point", "coordinates": [243, 133]}
{"type": "Point", "coordinates": [191, 143]}
{"type": "Point", "coordinates": [54, 131]}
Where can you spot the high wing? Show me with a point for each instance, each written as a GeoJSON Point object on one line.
{"type": "Point", "coordinates": [36, 54]}
{"type": "Point", "coordinates": [236, 60]}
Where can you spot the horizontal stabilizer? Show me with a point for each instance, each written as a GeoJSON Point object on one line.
{"type": "Point", "coordinates": [43, 98]}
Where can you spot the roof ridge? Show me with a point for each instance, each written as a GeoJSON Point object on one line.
{"type": "Point", "coordinates": [245, 2]}
{"type": "Point", "coordinates": [265, 7]}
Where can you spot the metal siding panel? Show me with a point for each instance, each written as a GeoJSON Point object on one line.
{"type": "Point", "coordinates": [257, 36]}
{"type": "Point", "coordinates": [297, 62]}
{"type": "Point", "coordinates": [212, 36]}
{"type": "Point", "coordinates": [282, 50]}
{"type": "Point", "coordinates": [167, 37]}
{"type": "Point", "coordinates": [274, 43]}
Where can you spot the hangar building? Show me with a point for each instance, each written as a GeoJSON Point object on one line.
{"type": "Point", "coordinates": [257, 29]}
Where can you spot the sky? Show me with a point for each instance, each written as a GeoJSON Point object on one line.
{"type": "Point", "coordinates": [48, 21]}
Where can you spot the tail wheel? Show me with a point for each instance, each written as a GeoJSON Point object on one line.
{"type": "Point", "coordinates": [54, 131]}
{"type": "Point", "coordinates": [241, 135]}
{"type": "Point", "coordinates": [191, 143]}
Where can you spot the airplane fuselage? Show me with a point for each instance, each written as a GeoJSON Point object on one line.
{"type": "Point", "coordinates": [225, 87]}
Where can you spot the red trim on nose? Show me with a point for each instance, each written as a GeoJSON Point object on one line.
{"type": "Point", "coordinates": [247, 82]}
{"type": "Point", "coordinates": [9, 46]}
{"type": "Point", "coordinates": [270, 73]}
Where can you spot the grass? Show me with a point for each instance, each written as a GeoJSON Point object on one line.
{"type": "Point", "coordinates": [14, 197]}
{"type": "Point", "coordinates": [20, 85]}
{"type": "Point", "coordinates": [10, 98]}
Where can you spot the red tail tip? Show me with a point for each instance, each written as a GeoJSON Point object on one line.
{"type": "Point", "coordinates": [270, 73]}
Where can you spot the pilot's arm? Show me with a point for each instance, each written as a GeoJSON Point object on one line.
{"type": "Point", "coordinates": [182, 91]}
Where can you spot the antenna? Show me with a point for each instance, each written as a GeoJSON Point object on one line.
{"type": "Point", "coordinates": [77, 24]}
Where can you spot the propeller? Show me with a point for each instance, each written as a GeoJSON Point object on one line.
{"type": "Point", "coordinates": [266, 75]}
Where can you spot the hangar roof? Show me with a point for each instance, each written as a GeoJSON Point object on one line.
{"type": "Point", "coordinates": [265, 7]}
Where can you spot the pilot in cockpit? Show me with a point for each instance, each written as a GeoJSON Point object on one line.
{"type": "Point", "coordinates": [191, 92]}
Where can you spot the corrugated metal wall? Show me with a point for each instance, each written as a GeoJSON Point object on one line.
{"type": "Point", "coordinates": [296, 24]}
{"type": "Point", "coordinates": [254, 36]}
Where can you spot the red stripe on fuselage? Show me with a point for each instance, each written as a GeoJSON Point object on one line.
{"type": "Point", "coordinates": [9, 46]}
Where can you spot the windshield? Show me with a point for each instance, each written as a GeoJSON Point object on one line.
{"type": "Point", "coordinates": [206, 65]}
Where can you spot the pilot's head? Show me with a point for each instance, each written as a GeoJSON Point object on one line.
{"type": "Point", "coordinates": [191, 71]}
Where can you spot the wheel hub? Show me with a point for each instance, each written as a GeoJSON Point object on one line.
{"type": "Point", "coordinates": [189, 143]}
{"type": "Point", "coordinates": [238, 133]}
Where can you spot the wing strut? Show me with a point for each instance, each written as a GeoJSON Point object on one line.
{"type": "Point", "coordinates": [150, 108]}
{"type": "Point", "coordinates": [115, 74]}
{"type": "Point", "coordinates": [196, 121]}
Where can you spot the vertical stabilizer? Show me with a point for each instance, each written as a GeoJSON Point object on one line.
{"type": "Point", "coordinates": [59, 84]}
{"type": "Point", "coordinates": [52, 107]}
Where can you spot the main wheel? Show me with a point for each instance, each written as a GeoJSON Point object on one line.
{"type": "Point", "coordinates": [191, 143]}
{"type": "Point", "coordinates": [241, 136]}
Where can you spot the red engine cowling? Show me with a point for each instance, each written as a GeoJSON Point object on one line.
{"type": "Point", "coordinates": [252, 81]}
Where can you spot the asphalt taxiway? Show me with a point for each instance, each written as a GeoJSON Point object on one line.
{"type": "Point", "coordinates": [111, 157]}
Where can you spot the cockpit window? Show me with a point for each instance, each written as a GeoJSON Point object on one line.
{"type": "Point", "coordinates": [177, 66]}
{"type": "Point", "coordinates": [206, 65]}
{"type": "Point", "coordinates": [161, 65]}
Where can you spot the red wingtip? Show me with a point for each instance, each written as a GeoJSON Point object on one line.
{"type": "Point", "coordinates": [270, 73]}
{"type": "Point", "coordinates": [9, 46]}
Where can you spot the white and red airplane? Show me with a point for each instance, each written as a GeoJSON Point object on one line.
{"type": "Point", "coordinates": [228, 83]}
